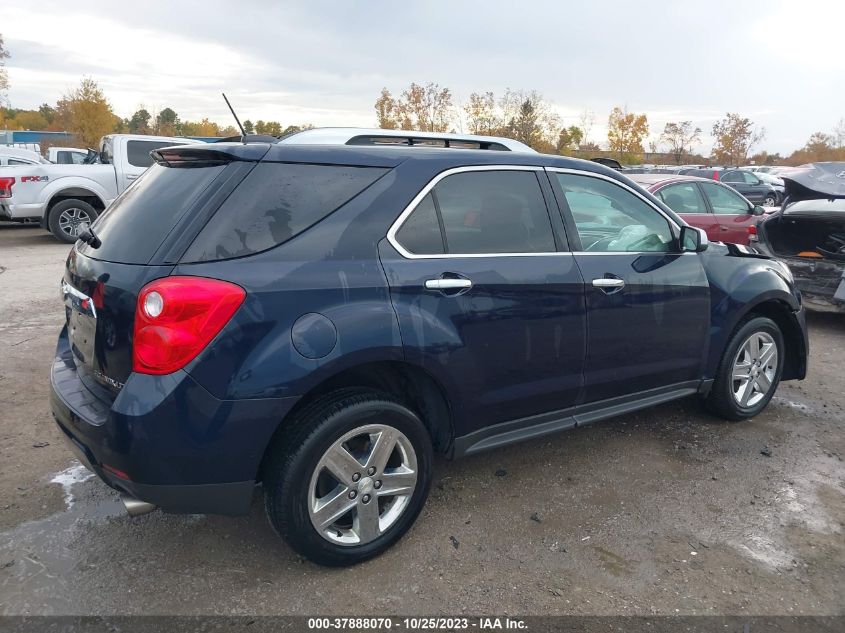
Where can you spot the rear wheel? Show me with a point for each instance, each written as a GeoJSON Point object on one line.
{"type": "Point", "coordinates": [69, 218]}
{"type": "Point", "coordinates": [349, 477]}
{"type": "Point", "coordinates": [750, 370]}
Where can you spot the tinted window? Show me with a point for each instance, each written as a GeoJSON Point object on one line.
{"type": "Point", "coordinates": [15, 161]}
{"type": "Point", "coordinates": [683, 198]}
{"type": "Point", "coordinates": [274, 203]}
{"type": "Point", "coordinates": [138, 152]}
{"type": "Point", "coordinates": [139, 219]}
{"type": "Point", "coordinates": [750, 179]}
{"type": "Point", "coordinates": [725, 201]}
{"type": "Point", "coordinates": [420, 233]}
{"type": "Point", "coordinates": [610, 218]}
{"type": "Point", "coordinates": [494, 212]}
{"type": "Point", "coordinates": [732, 176]}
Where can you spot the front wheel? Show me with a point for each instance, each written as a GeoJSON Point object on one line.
{"type": "Point", "coordinates": [771, 200]}
{"type": "Point", "coordinates": [750, 370]}
{"type": "Point", "coordinates": [349, 477]}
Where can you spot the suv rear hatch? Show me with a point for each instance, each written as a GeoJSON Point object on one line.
{"type": "Point", "coordinates": [196, 204]}
{"type": "Point", "coordinates": [138, 236]}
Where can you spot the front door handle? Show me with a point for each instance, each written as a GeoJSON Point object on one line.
{"type": "Point", "coordinates": [608, 284]}
{"type": "Point", "coordinates": [448, 284]}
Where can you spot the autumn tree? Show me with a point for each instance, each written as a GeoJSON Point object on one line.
{"type": "Point", "coordinates": [839, 133]}
{"type": "Point", "coordinates": [481, 114]}
{"type": "Point", "coordinates": [199, 128]}
{"type": "Point", "coordinates": [530, 119]}
{"type": "Point", "coordinates": [387, 115]}
{"type": "Point", "coordinates": [819, 147]}
{"type": "Point", "coordinates": [272, 128]}
{"type": "Point", "coordinates": [249, 127]}
{"type": "Point", "coordinates": [681, 138]}
{"type": "Point", "coordinates": [29, 120]}
{"type": "Point", "coordinates": [733, 137]}
{"type": "Point", "coordinates": [586, 120]}
{"type": "Point", "coordinates": [167, 122]}
{"type": "Point", "coordinates": [569, 138]}
{"type": "Point", "coordinates": [139, 123]}
{"type": "Point", "coordinates": [86, 113]}
{"type": "Point", "coordinates": [626, 131]}
{"type": "Point", "coordinates": [426, 108]}
{"type": "Point", "coordinates": [48, 112]}
{"type": "Point", "coordinates": [4, 75]}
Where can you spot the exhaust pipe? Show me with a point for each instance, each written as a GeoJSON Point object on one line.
{"type": "Point", "coordinates": [136, 507]}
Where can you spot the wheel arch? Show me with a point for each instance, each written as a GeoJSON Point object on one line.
{"type": "Point", "coordinates": [780, 310]}
{"type": "Point", "coordinates": [410, 384]}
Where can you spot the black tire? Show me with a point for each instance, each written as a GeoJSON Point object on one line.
{"type": "Point", "coordinates": [78, 208]}
{"type": "Point", "coordinates": [771, 200]}
{"type": "Point", "coordinates": [721, 399]}
{"type": "Point", "coordinates": [295, 453]}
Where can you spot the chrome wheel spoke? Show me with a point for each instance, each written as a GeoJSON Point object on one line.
{"type": "Point", "coordinates": [763, 383]}
{"type": "Point", "coordinates": [366, 524]}
{"type": "Point", "coordinates": [326, 513]}
{"type": "Point", "coordinates": [397, 483]}
{"type": "Point", "coordinates": [741, 371]}
{"type": "Point", "coordinates": [382, 449]}
{"type": "Point", "coordinates": [341, 464]}
{"type": "Point", "coordinates": [768, 355]}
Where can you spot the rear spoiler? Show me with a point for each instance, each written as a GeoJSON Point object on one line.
{"type": "Point", "coordinates": [208, 154]}
{"type": "Point", "coordinates": [608, 162]}
{"type": "Point", "coordinates": [815, 181]}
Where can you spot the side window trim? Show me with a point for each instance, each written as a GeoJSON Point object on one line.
{"type": "Point", "coordinates": [397, 224]}
{"type": "Point", "coordinates": [703, 194]}
{"type": "Point", "coordinates": [569, 221]}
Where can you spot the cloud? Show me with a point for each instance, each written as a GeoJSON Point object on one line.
{"type": "Point", "coordinates": [325, 62]}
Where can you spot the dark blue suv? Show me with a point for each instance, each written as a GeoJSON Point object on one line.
{"type": "Point", "coordinates": [323, 319]}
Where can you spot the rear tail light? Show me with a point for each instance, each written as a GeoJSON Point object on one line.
{"type": "Point", "coordinates": [715, 175]}
{"type": "Point", "coordinates": [6, 186]}
{"type": "Point", "coordinates": [177, 317]}
{"type": "Point", "coordinates": [752, 232]}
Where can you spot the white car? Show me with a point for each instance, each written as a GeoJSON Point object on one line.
{"type": "Point", "coordinates": [67, 198]}
{"type": "Point", "coordinates": [17, 156]}
{"type": "Point", "coordinates": [67, 155]}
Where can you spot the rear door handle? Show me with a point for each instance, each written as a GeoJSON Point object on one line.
{"type": "Point", "coordinates": [609, 285]}
{"type": "Point", "coordinates": [447, 284]}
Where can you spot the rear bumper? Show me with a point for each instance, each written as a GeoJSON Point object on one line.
{"type": "Point", "coordinates": [164, 439]}
{"type": "Point", "coordinates": [21, 211]}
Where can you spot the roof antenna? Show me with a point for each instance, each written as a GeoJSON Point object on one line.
{"type": "Point", "coordinates": [237, 120]}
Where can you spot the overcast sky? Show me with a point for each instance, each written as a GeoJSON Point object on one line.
{"type": "Point", "coordinates": [778, 62]}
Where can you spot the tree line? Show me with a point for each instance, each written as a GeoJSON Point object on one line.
{"type": "Point", "coordinates": [524, 115]}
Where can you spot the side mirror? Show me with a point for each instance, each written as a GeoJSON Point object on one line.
{"type": "Point", "coordinates": [758, 210]}
{"type": "Point", "coordinates": [693, 240]}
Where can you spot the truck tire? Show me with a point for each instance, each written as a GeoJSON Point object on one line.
{"type": "Point", "coordinates": [69, 218]}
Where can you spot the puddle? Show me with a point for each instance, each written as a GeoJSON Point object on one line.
{"type": "Point", "coordinates": [37, 559]}
{"type": "Point", "coordinates": [798, 406]}
{"type": "Point", "coordinates": [70, 476]}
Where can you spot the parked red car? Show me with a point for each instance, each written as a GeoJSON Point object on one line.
{"type": "Point", "coordinates": [707, 204]}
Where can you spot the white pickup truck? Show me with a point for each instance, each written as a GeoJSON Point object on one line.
{"type": "Point", "coordinates": [65, 199]}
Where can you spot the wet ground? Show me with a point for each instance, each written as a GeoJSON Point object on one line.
{"type": "Point", "coordinates": [662, 512]}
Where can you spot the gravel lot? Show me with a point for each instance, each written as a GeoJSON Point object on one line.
{"type": "Point", "coordinates": [663, 512]}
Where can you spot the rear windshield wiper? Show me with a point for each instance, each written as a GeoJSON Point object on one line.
{"type": "Point", "coordinates": [89, 237]}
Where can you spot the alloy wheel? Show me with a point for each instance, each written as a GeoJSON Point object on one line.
{"type": "Point", "coordinates": [73, 221]}
{"type": "Point", "coordinates": [754, 369]}
{"type": "Point", "coordinates": [362, 485]}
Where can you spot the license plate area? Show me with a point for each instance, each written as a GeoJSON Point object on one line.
{"type": "Point", "coordinates": [82, 323]}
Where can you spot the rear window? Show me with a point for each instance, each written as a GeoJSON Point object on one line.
{"type": "Point", "coordinates": [274, 203]}
{"type": "Point", "coordinates": [141, 217]}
